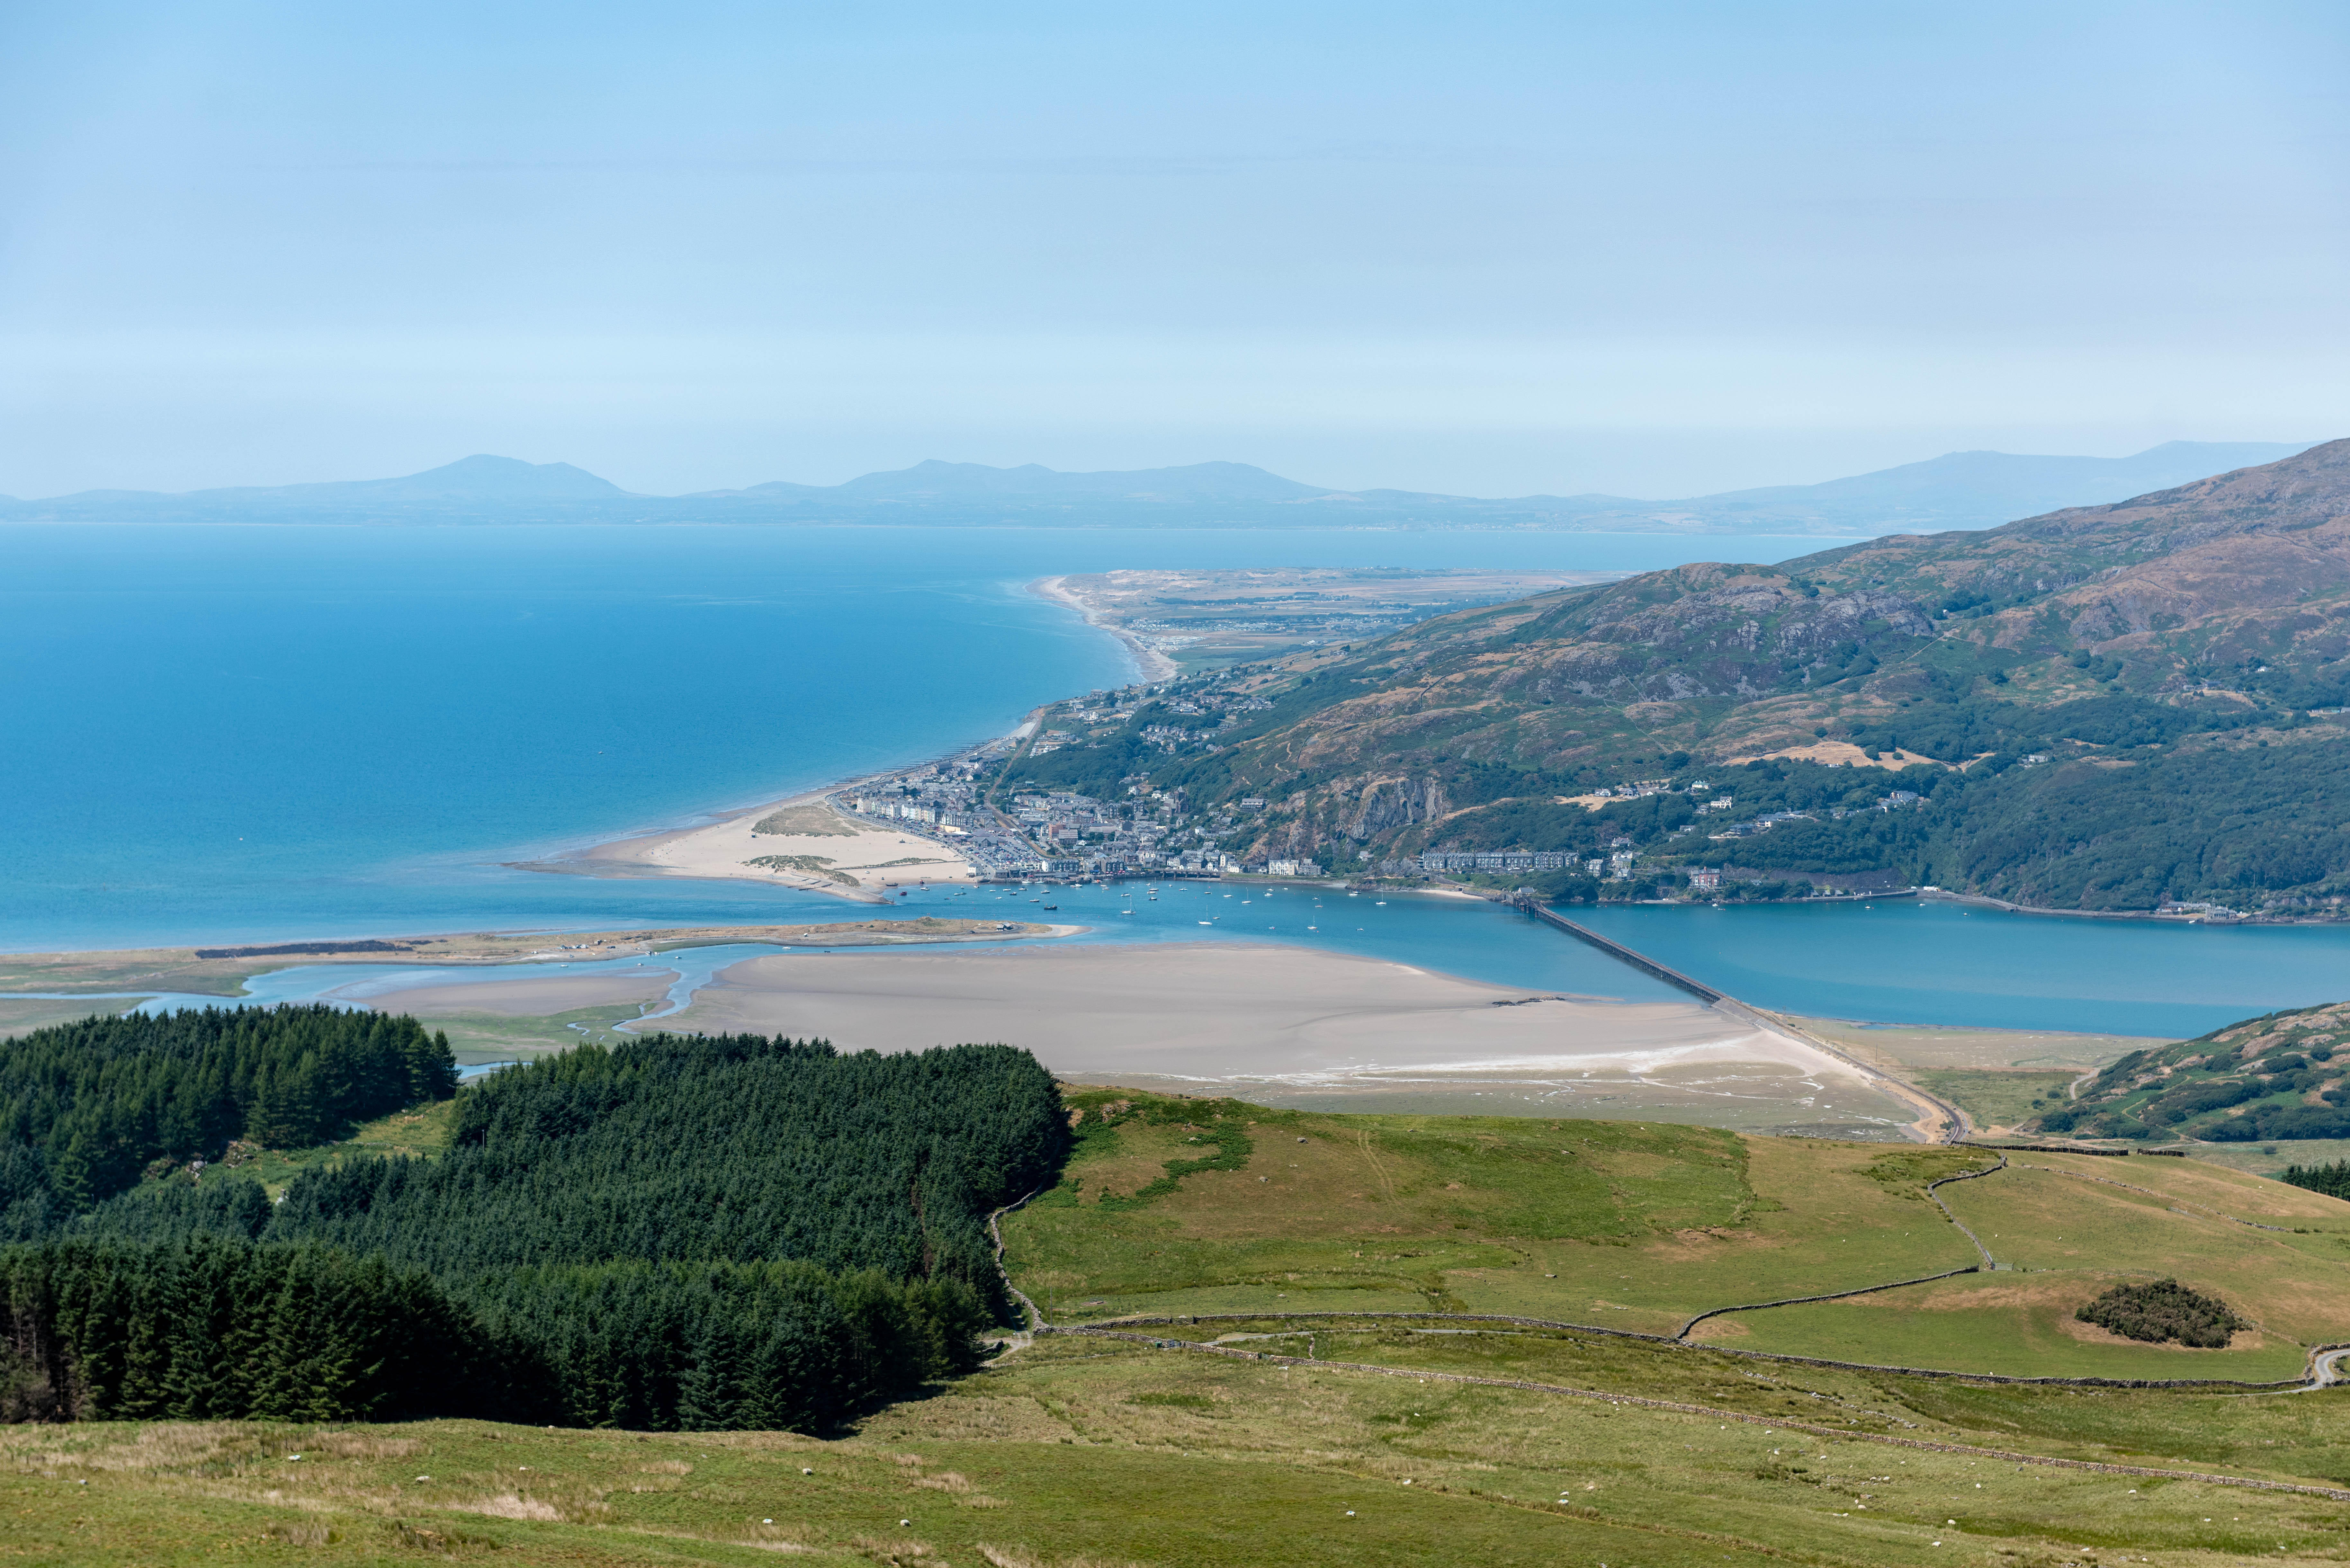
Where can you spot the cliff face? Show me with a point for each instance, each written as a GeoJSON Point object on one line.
{"type": "Point", "coordinates": [2224, 604]}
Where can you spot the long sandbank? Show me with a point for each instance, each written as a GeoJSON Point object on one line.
{"type": "Point", "coordinates": [1293, 1026]}
{"type": "Point", "coordinates": [222, 971]}
{"type": "Point", "coordinates": [798, 842]}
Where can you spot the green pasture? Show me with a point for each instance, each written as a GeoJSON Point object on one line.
{"type": "Point", "coordinates": [2017, 1326]}
{"type": "Point", "coordinates": [1080, 1453]}
{"type": "Point", "coordinates": [1634, 1226]}
{"type": "Point", "coordinates": [1996, 1098]}
{"type": "Point", "coordinates": [1195, 1207]}
{"type": "Point", "coordinates": [2051, 1223]}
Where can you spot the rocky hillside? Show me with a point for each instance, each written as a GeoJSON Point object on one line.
{"type": "Point", "coordinates": [2103, 707]}
{"type": "Point", "coordinates": [2277, 1077]}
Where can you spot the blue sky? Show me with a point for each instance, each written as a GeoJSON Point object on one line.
{"type": "Point", "coordinates": [1657, 250]}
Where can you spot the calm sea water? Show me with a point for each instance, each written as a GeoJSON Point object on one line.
{"type": "Point", "coordinates": [278, 733]}
{"type": "Point", "coordinates": [225, 734]}
{"type": "Point", "coordinates": [1907, 961]}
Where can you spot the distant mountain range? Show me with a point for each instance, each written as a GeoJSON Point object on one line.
{"type": "Point", "coordinates": [1962, 490]}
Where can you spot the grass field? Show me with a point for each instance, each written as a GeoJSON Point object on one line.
{"type": "Point", "coordinates": [2268, 1158]}
{"type": "Point", "coordinates": [1926, 1046]}
{"type": "Point", "coordinates": [1074, 1452]}
{"type": "Point", "coordinates": [1190, 1207]}
{"type": "Point", "coordinates": [1994, 1098]}
{"type": "Point", "coordinates": [1630, 1225]}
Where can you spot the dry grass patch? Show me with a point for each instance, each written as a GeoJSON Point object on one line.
{"type": "Point", "coordinates": [511, 1505]}
{"type": "Point", "coordinates": [1020, 1557]}
{"type": "Point", "coordinates": [805, 822]}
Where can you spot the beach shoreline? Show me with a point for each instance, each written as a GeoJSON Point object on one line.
{"type": "Point", "coordinates": [851, 861]}
{"type": "Point", "coordinates": [1154, 665]}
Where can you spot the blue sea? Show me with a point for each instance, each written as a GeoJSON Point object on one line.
{"type": "Point", "coordinates": [272, 733]}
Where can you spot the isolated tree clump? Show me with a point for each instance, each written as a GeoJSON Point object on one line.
{"type": "Point", "coordinates": [2162, 1312]}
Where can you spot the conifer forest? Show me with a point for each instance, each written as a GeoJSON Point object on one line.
{"type": "Point", "coordinates": [676, 1232]}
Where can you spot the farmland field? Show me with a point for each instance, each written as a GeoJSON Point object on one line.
{"type": "Point", "coordinates": [1191, 1207]}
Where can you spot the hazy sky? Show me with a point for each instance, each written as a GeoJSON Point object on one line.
{"type": "Point", "coordinates": [1655, 249]}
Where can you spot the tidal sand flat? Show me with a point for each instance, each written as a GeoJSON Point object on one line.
{"type": "Point", "coordinates": [537, 996]}
{"type": "Point", "coordinates": [799, 843]}
{"type": "Point", "coordinates": [230, 971]}
{"type": "Point", "coordinates": [1307, 1029]}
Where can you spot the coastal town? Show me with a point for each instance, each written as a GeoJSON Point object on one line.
{"type": "Point", "coordinates": [1018, 834]}
{"type": "Point", "coordinates": [1058, 832]}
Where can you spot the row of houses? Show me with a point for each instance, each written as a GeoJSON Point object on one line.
{"type": "Point", "coordinates": [1501, 861]}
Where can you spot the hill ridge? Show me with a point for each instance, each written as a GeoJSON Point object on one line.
{"type": "Point", "coordinates": [1954, 491]}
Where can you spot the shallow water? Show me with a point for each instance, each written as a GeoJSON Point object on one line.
{"type": "Point", "coordinates": [1896, 960]}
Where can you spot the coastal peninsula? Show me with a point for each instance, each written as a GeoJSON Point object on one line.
{"type": "Point", "coordinates": [804, 841]}
{"type": "Point", "coordinates": [1182, 622]}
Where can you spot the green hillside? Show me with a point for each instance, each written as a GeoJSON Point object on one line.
{"type": "Point", "coordinates": [1181, 1207]}
{"type": "Point", "coordinates": [2274, 1077]}
{"type": "Point", "coordinates": [1289, 1430]}
{"type": "Point", "coordinates": [1420, 1443]}
{"type": "Point", "coordinates": [2099, 709]}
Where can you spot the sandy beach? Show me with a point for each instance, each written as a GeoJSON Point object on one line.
{"type": "Point", "coordinates": [1156, 665]}
{"type": "Point", "coordinates": [796, 843]}
{"type": "Point", "coordinates": [1289, 1026]}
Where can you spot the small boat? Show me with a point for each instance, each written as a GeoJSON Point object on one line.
{"type": "Point", "coordinates": [1207, 922]}
{"type": "Point", "coordinates": [1126, 911]}
{"type": "Point", "coordinates": [1051, 906]}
